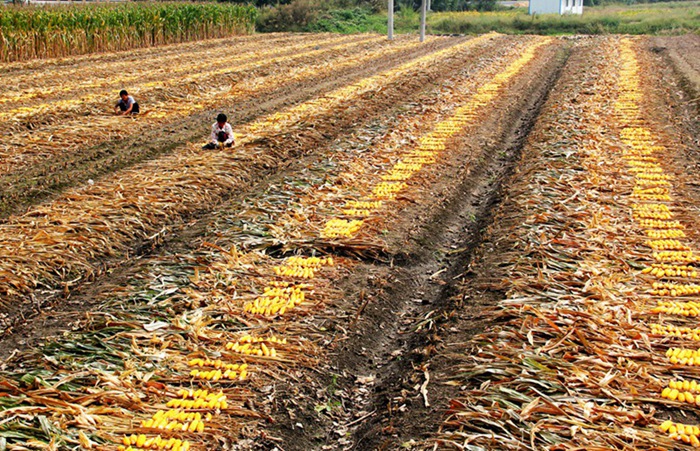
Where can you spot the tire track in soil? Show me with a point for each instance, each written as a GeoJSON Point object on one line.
{"type": "Point", "coordinates": [676, 94]}
{"type": "Point", "coordinates": [397, 428]}
{"type": "Point", "coordinates": [417, 287]}
{"type": "Point", "coordinates": [30, 325]}
{"type": "Point", "coordinates": [45, 181]}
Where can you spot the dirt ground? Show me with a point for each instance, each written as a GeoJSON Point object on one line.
{"type": "Point", "coordinates": [682, 53]}
{"type": "Point", "coordinates": [403, 305]}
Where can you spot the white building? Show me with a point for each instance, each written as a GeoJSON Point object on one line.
{"type": "Point", "coordinates": [556, 7]}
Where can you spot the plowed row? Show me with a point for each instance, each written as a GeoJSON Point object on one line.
{"type": "Point", "coordinates": [67, 239]}
{"type": "Point", "coordinates": [54, 247]}
{"type": "Point", "coordinates": [59, 128]}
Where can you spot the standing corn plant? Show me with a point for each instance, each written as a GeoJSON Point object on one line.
{"type": "Point", "coordinates": [47, 32]}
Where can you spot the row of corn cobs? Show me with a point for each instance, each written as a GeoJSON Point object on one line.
{"type": "Point", "coordinates": [673, 257]}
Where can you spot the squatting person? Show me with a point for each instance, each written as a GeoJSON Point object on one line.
{"type": "Point", "coordinates": [221, 133]}
{"type": "Point", "coordinates": [127, 104]}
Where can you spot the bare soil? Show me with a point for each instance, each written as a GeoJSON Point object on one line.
{"type": "Point", "coordinates": [682, 52]}
{"type": "Point", "coordinates": [674, 77]}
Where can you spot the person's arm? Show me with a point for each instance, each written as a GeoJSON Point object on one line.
{"type": "Point", "coordinates": [214, 139]}
{"type": "Point", "coordinates": [229, 130]}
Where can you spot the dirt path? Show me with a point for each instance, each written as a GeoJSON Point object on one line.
{"type": "Point", "coordinates": [390, 330]}
{"type": "Point", "coordinates": [676, 71]}
{"type": "Point", "coordinates": [682, 52]}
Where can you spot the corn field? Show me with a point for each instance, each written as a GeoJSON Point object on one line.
{"type": "Point", "coordinates": [50, 32]}
{"type": "Point", "coordinates": [470, 243]}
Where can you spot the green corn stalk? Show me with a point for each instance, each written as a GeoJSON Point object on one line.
{"type": "Point", "coordinates": [44, 32]}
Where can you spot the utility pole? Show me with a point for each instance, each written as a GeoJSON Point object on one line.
{"type": "Point", "coordinates": [390, 25]}
{"type": "Point", "coordinates": [422, 20]}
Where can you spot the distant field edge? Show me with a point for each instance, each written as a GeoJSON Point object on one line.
{"type": "Point", "coordinates": [659, 18]}
{"type": "Point", "coordinates": [594, 21]}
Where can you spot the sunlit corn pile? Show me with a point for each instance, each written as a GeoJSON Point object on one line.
{"type": "Point", "coordinates": [294, 211]}
{"type": "Point", "coordinates": [194, 409]}
{"type": "Point", "coordinates": [674, 274]}
{"type": "Point", "coordinates": [568, 361]}
{"type": "Point", "coordinates": [170, 382]}
{"type": "Point", "coordinates": [62, 240]}
{"type": "Point", "coordinates": [332, 100]}
{"type": "Point", "coordinates": [436, 127]}
{"type": "Point", "coordinates": [152, 77]}
{"type": "Point", "coordinates": [360, 174]}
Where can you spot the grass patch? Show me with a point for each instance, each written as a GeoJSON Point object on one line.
{"type": "Point", "coordinates": [356, 20]}
{"type": "Point", "coordinates": [669, 18]}
{"type": "Point", "coordinates": [672, 18]}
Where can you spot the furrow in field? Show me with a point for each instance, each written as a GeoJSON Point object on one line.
{"type": "Point", "coordinates": [336, 218]}
{"type": "Point", "coordinates": [278, 121]}
{"type": "Point", "coordinates": [297, 287]}
{"type": "Point", "coordinates": [245, 319]}
{"type": "Point", "coordinates": [159, 77]}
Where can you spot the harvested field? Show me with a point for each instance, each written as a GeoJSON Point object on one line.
{"type": "Point", "coordinates": [45, 135]}
{"type": "Point", "coordinates": [471, 243]}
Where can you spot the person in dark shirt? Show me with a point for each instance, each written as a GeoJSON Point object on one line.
{"type": "Point", "coordinates": [127, 104]}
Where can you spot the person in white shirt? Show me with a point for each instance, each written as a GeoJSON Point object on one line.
{"type": "Point", "coordinates": [221, 133]}
{"type": "Point", "coordinates": [127, 104]}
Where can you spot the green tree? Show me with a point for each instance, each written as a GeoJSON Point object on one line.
{"type": "Point", "coordinates": [438, 5]}
{"type": "Point", "coordinates": [259, 3]}
{"type": "Point", "coordinates": [484, 5]}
